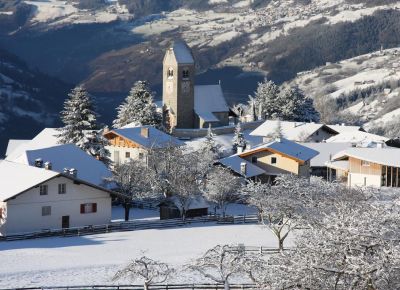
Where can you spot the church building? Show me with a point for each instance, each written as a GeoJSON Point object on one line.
{"type": "Point", "coordinates": [185, 105]}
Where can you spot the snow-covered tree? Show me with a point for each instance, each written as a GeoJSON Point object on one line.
{"type": "Point", "coordinates": [78, 116]}
{"type": "Point", "coordinates": [138, 108]}
{"type": "Point", "coordinates": [222, 187]}
{"type": "Point", "coordinates": [220, 264]}
{"type": "Point", "coordinates": [355, 246]}
{"type": "Point", "coordinates": [238, 139]}
{"type": "Point", "coordinates": [133, 181]}
{"type": "Point", "coordinates": [94, 143]}
{"type": "Point", "coordinates": [265, 100]}
{"type": "Point", "coordinates": [210, 146]}
{"type": "Point", "coordinates": [148, 270]}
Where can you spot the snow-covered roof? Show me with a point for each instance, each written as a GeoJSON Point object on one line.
{"type": "Point", "coordinates": [209, 99]}
{"type": "Point", "coordinates": [326, 152]}
{"type": "Point", "coordinates": [234, 163]}
{"type": "Point", "coordinates": [155, 139]}
{"type": "Point", "coordinates": [69, 156]}
{"type": "Point", "coordinates": [285, 147]}
{"type": "Point", "coordinates": [297, 131]}
{"type": "Point", "coordinates": [17, 178]}
{"type": "Point", "coordinates": [341, 165]}
{"type": "Point", "coordinates": [357, 137]}
{"type": "Point", "coordinates": [182, 53]}
{"type": "Point", "coordinates": [344, 128]}
{"type": "Point", "coordinates": [388, 156]}
{"type": "Point", "coordinates": [14, 144]}
{"type": "Point", "coordinates": [46, 138]}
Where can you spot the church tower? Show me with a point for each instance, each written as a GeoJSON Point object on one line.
{"type": "Point", "coordinates": [178, 87]}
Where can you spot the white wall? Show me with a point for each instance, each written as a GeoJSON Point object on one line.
{"type": "Point", "coordinates": [24, 213]}
{"type": "Point", "coordinates": [357, 179]}
{"type": "Point", "coordinates": [121, 151]}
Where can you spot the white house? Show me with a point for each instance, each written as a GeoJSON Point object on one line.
{"type": "Point", "coordinates": [295, 131]}
{"type": "Point", "coordinates": [377, 167]}
{"type": "Point", "coordinates": [35, 199]}
{"type": "Point", "coordinates": [134, 143]}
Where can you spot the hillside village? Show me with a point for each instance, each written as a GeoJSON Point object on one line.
{"type": "Point", "coordinates": [180, 186]}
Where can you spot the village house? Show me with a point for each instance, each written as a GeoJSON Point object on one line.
{"type": "Point", "coordinates": [357, 138]}
{"type": "Point", "coordinates": [294, 131]}
{"type": "Point", "coordinates": [269, 160]}
{"type": "Point", "coordinates": [186, 105]}
{"type": "Point", "coordinates": [36, 199]}
{"type": "Point", "coordinates": [376, 167]}
{"type": "Point", "coordinates": [135, 143]}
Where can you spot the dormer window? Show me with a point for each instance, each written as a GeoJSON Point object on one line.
{"type": "Point", "coordinates": [185, 74]}
{"type": "Point", "coordinates": [170, 73]}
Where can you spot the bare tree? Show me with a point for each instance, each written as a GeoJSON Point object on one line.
{"type": "Point", "coordinates": [220, 264]}
{"type": "Point", "coordinates": [150, 271]}
{"type": "Point", "coordinates": [222, 187]}
{"type": "Point", "coordinates": [133, 180]}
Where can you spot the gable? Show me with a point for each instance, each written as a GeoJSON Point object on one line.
{"type": "Point", "coordinates": [120, 141]}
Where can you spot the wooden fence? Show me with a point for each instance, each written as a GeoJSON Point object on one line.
{"type": "Point", "coordinates": [130, 226]}
{"type": "Point", "coordinates": [140, 287]}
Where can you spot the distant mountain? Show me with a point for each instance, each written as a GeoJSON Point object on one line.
{"type": "Point", "coordinates": [29, 100]}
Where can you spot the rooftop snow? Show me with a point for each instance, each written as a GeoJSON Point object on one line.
{"type": "Point", "coordinates": [234, 162]}
{"type": "Point", "coordinates": [341, 165]}
{"type": "Point", "coordinates": [386, 156]}
{"type": "Point", "coordinates": [69, 156]}
{"type": "Point", "coordinates": [326, 151]}
{"type": "Point", "coordinates": [344, 128]}
{"type": "Point", "coordinates": [16, 178]}
{"type": "Point", "coordinates": [209, 99]}
{"type": "Point", "coordinates": [296, 131]}
{"type": "Point", "coordinates": [156, 139]}
{"type": "Point", "coordinates": [357, 137]}
{"type": "Point", "coordinates": [286, 147]}
{"type": "Point", "coordinates": [182, 53]}
{"type": "Point", "coordinates": [14, 144]}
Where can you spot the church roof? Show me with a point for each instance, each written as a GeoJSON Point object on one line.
{"type": "Point", "coordinates": [209, 99]}
{"type": "Point", "coordinates": [182, 52]}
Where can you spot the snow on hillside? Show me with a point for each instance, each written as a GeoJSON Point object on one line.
{"type": "Point", "coordinates": [262, 25]}
{"type": "Point", "coordinates": [94, 259]}
{"type": "Point", "coordinates": [58, 12]}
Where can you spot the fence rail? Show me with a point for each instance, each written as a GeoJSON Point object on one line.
{"type": "Point", "coordinates": [130, 226]}
{"type": "Point", "coordinates": [140, 287]}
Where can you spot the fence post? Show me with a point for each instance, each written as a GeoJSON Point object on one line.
{"type": "Point", "coordinates": [107, 228]}
{"type": "Point", "coordinates": [261, 250]}
{"type": "Point", "coordinates": [244, 219]}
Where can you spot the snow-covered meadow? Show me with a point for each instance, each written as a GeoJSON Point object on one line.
{"type": "Point", "coordinates": [95, 259]}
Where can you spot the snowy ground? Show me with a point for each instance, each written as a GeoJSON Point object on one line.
{"type": "Point", "coordinates": [94, 259]}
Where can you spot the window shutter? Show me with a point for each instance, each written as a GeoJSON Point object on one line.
{"type": "Point", "coordinates": [82, 208]}
{"type": "Point", "coordinates": [94, 207]}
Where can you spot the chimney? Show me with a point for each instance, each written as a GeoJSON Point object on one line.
{"type": "Point", "coordinates": [379, 145]}
{"type": "Point", "coordinates": [66, 171]}
{"type": "Point", "coordinates": [39, 163]}
{"type": "Point", "coordinates": [144, 131]}
{"type": "Point", "coordinates": [278, 140]}
{"type": "Point", "coordinates": [243, 168]}
{"type": "Point", "coordinates": [73, 172]}
{"type": "Point", "coordinates": [48, 165]}
{"type": "Point", "coordinates": [239, 149]}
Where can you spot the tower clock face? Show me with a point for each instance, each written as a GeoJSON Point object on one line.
{"type": "Point", "coordinates": [170, 87]}
{"type": "Point", "coordinates": [185, 87]}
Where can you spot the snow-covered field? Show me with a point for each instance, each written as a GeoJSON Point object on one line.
{"type": "Point", "coordinates": [95, 259]}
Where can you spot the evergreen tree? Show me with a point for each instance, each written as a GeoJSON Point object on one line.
{"type": "Point", "coordinates": [238, 138]}
{"type": "Point", "coordinates": [138, 108]}
{"type": "Point", "coordinates": [78, 116]}
{"type": "Point", "coordinates": [94, 143]}
{"type": "Point", "coordinates": [210, 146]}
{"type": "Point", "coordinates": [265, 100]}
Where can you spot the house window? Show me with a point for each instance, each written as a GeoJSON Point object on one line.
{"type": "Point", "coordinates": [43, 189]}
{"type": "Point", "coordinates": [62, 188]}
{"type": "Point", "coordinates": [141, 155]}
{"type": "Point", "coordinates": [185, 74]}
{"type": "Point", "coordinates": [254, 159]}
{"type": "Point", "coordinates": [46, 210]}
{"type": "Point", "coordinates": [170, 73]}
{"type": "Point", "coordinates": [88, 208]}
{"type": "Point", "coordinates": [273, 160]}
{"type": "Point", "coordinates": [127, 154]}
{"type": "Point", "coordinates": [365, 163]}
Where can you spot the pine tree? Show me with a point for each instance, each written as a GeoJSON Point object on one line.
{"type": "Point", "coordinates": [94, 143]}
{"type": "Point", "coordinates": [265, 99]}
{"type": "Point", "coordinates": [210, 146]}
{"type": "Point", "coordinates": [238, 138]}
{"type": "Point", "coordinates": [78, 116]}
{"type": "Point", "coordinates": [138, 108]}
